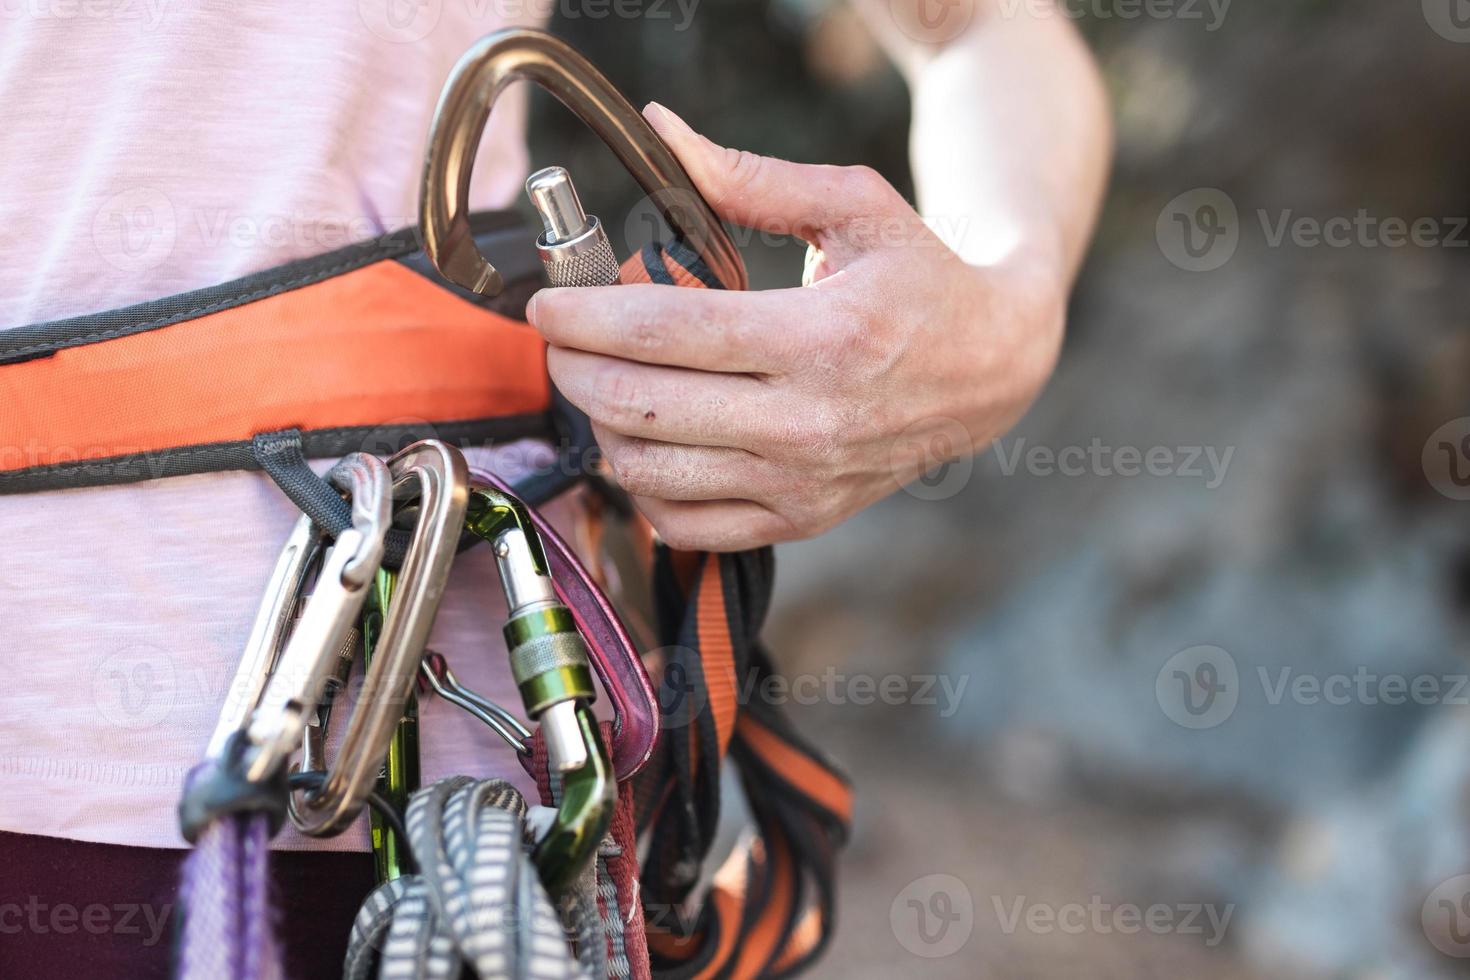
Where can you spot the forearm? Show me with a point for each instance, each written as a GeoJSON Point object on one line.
{"type": "Point", "coordinates": [1011, 135]}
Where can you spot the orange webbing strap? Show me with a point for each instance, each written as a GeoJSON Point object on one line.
{"type": "Point", "coordinates": [373, 345]}
{"type": "Point", "coordinates": [769, 912]}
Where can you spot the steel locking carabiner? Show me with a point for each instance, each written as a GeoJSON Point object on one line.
{"type": "Point", "coordinates": [284, 670]}
{"type": "Point", "coordinates": [436, 477]}
{"type": "Point", "coordinates": [475, 82]}
{"type": "Point", "coordinates": [550, 664]}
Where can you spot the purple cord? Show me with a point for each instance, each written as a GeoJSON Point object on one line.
{"type": "Point", "coordinates": [228, 932]}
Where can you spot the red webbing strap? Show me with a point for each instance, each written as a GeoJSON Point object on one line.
{"type": "Point", "coordinates": [622, 868]}
{"type": "Point", "coordinates": [769, 911]}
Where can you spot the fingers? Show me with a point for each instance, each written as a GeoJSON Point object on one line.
{"type": "Point", "coordinates": [646, 468]}
{"type": "Point", "coordinates": [807, 201]}
{"type": "Point", "coordinates": [666, 404]}
{"type": "Point", "coordinates": [705, 329]}
{"type": "Point", "coordinates": [714, 525]}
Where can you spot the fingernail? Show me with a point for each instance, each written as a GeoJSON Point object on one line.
{"type": "Point", "coordinates": [664, 119]}
{"type": "Point", "coordinates": [531, 307]}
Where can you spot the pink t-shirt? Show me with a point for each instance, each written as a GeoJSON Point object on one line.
{"type": "Point", "coordinates": [150, 149]}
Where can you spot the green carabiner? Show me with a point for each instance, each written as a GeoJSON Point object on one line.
{"type": "Point", "coordinates": [549, 662]}
{"type": "Point", "coordinates": [401, 769]}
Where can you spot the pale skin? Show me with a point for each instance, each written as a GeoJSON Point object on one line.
{"type": "Point", "coordinates": [737, 419]}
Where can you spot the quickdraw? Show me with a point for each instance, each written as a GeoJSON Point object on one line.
{"type": "Point", "coordinates": [615, 789]}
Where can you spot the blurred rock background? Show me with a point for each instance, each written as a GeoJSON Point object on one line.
{"type": "Point", "coordinates": [1133, 728]}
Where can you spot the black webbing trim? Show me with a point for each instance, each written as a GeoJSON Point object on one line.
{"type": "Point", "coordinates": [501, 235]}
{"type": "Point", "coordinates": [653, 264]}
{"type": "Point", "coordinates": [284, 459]}
{"type": "Point", "coordinates": [316, 444]}
{"type": "Point", "coordinates": [281, 455]}
{"type": "Point", "coordinates": [680, 252]}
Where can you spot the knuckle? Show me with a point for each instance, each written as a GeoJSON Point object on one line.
{"type": "Point", "coordinates": [818, 436]}
{"type": "Point", "coordinates": [630, 467]}
{"type": "Point", "coordinates": [742, 168]}
{"type": "Point", "coordinates": [645, 335]}
{"type": "Point", "coordinates": [614, 394]}
{"type": "Point", "coordinates": [863, 183]}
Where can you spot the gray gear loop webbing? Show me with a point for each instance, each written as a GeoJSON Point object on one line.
{"type": "Point", "coordinates": [477, 902]}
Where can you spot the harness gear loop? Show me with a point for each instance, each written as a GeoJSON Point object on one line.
{"type": "Point", "coordinates": [437, 476]}
{"type": "Point", "coordinates": [474, 84]}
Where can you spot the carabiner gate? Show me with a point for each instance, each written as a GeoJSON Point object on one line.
{"type": "Point", "coordinates": [475, 82]}
{"type": "Point", "coordinates": [435, 476]}
{"type": "Point", "coordinates": [281, 677]}
{"type": "Point", "coordinates": [550, 664]}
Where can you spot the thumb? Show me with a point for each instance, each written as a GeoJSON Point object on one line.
{"type": "Point", "coordinates": [807, 201]}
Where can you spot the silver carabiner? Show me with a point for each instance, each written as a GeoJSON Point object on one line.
{"type": "Point", "coordinates": [437, 477]}
{"type": "Point", "coordinates": [283, 671]}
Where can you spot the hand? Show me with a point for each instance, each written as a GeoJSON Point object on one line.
{"type": "Point", "coordinates": [737, 419]}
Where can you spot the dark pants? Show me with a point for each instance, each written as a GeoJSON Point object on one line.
{"type": "Point", "coordinates": [71, 909]}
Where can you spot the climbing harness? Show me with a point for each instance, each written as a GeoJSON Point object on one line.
{"type": "Point", "coordinates": [475, 877]}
